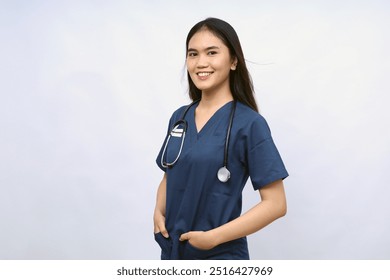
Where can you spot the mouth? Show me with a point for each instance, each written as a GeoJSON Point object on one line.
{"type": "Point", "coordinates": [204, 74]}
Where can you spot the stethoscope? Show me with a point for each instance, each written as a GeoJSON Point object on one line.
{"type": "Point", "coordinates": [179, 130]}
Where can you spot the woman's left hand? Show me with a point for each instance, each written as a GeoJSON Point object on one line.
{"type": "Point", "coordinates": [203, 240]}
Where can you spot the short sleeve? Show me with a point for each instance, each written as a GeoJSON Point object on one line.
{"type": "Point", "coordinates": [265, 164]}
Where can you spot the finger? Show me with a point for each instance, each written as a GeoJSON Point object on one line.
{"type": "Point", "coordinates": [184, 236]}
{"type": "Point", "coordinates": [165, 233]}
{"type": "Point", "coordinates": [163, 230]}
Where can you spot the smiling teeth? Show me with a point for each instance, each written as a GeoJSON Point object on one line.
{"type": "Point", "coordinates": [204, 74]}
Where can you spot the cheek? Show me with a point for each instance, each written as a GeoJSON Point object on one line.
{"type": "Point", "coordinates": [190, 72]}
{"type": "Point", "coordinates": [191, 68]}
{"type": "Point", "coordinates": [223, 65]}
{"type": "Point", "coordinates": [190, 65]}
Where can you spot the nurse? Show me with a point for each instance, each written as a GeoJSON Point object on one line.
{"type": "Point", "coordinates": [197, 215]}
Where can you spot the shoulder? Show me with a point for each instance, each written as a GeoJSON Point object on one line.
{"type": "Point", "coordinates": [179, 110]}
{"type": "Point", "coordinates": [178, 113]}
{"type": "Point", "coordinates": [250, 125]}
{"type": "Point", "coordinates": [249, 118]}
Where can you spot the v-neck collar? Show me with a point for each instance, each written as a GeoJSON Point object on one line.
{"type": "Point", "coordinates": [210, 122]}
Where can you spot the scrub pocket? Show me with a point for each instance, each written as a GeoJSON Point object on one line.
{"type": "Point", "coordinates": [193, 253]}
{"type": "Point", "coordinates": [232, 250]}
{"type": "Point", "coordinates": [165, 245]}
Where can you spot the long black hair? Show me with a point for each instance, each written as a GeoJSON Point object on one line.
{"type": "Point", "coordinates": [240, 81]}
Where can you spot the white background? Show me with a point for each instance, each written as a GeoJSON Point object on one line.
{"type": "Point", "coordinates": [87, 88]}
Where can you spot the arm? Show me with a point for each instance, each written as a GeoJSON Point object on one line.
{"type": "Point", "coordinates": [272, 206]}
{"type": "Point", "coordinates": [159, 211]}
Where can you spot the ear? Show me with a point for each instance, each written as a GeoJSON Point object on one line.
{"type": "Point", "coordinates": [234, 64]}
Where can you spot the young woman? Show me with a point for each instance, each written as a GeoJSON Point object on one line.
{"type": "Point", "coordinates": [212, 147]}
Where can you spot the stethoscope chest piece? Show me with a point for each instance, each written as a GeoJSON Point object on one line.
{"type": "Point", "coordinates": [223, 174]}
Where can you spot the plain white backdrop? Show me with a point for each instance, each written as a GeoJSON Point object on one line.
{"type": "Point", "coordinates": [87, 89]}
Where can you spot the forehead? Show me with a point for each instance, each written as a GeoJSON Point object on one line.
{"type": "Point", "coordinates": [204, 39]}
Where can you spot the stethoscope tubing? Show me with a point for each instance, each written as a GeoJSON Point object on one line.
{"type": "Point", "coordinates": [223, 173]}
{"type": "Point", "coordinates": [177, 124]}
{"type": "Point", "coordinates": [227, 139]}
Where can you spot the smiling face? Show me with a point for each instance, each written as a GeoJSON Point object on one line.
{"type": "Point", "coordinates": [209, 63]}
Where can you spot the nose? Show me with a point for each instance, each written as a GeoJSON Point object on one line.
{"type": "Point", "coordinates": [202, 61]}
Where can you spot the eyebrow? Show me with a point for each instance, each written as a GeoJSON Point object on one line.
{"type": "Point", "coordinates": [206, 49]}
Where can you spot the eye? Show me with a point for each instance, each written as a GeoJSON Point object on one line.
{"type": "Point", "coordinates": [191, 54]}
{"type": "Point", "coordinates": [212, 53]}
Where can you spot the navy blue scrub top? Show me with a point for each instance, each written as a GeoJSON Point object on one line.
{"type": "Point", "coordinates": [196, 200]}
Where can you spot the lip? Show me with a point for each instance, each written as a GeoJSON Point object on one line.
{"type": "Point", "coordinates": [204, 75]}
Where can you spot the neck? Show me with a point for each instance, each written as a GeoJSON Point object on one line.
{"type": "Point", "coordinates": [212, 100]}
